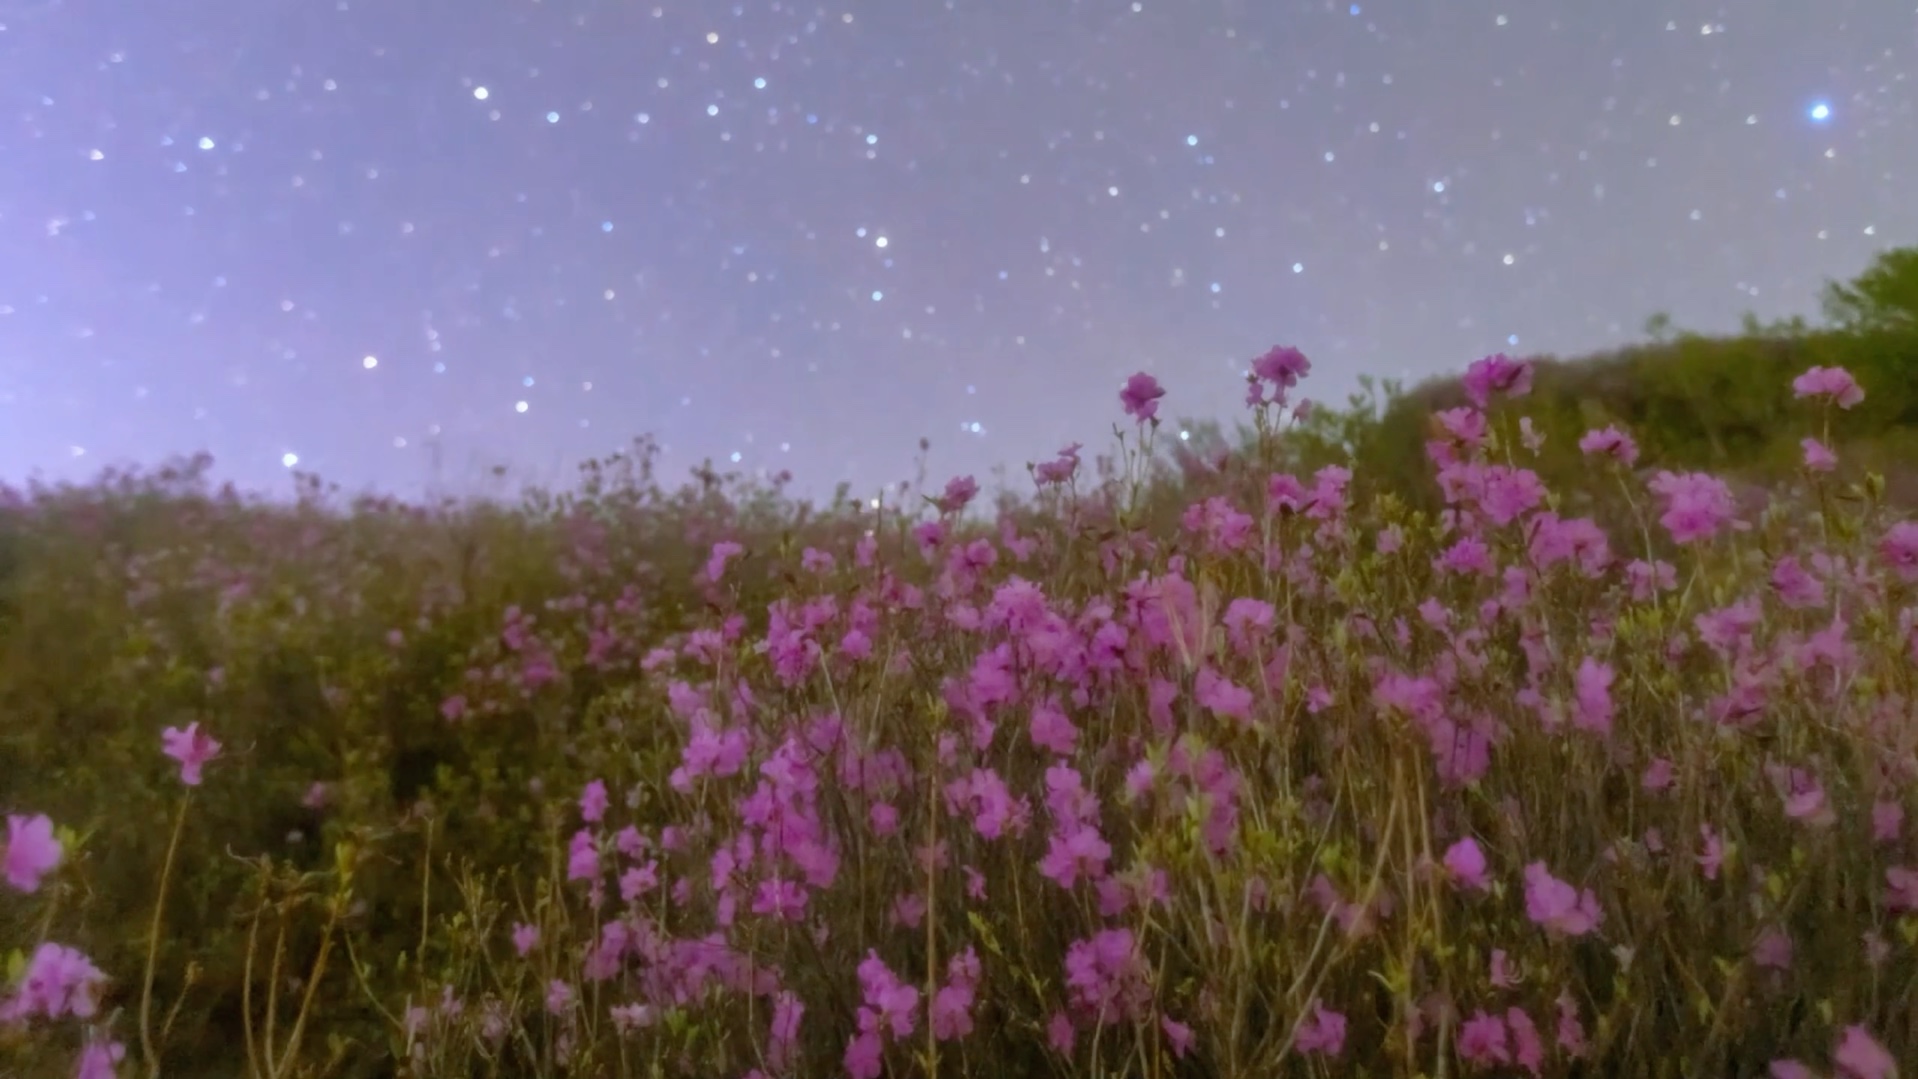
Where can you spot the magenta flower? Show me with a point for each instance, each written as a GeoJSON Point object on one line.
{"type": "Point", "coordinates": [1141, 397]}
{"type": "Point", "coordinates": [1592, 687]}
{"type": "Point", "coordinates": [1322, 1032]}
{"type": "Point", "coordinates": [1528, 1049]}
{"type": "Point", "coordinates": [98, 1060]}
{"type": "Point", "coordinates": [1500, 375]}
{"type": "Point", "coordinates": [1610, 442]}
{"type": "Point", "coordinates": [1697, 504]}
{"type": "Point", "coordinates": [1835, 384]}
{"type": "Point", "coordinates": [1859, 1056]}
{"type": "Point", "coordinates": [31, 852]}
{"type": "Point", "coordinates": [1283, 366]}
{"type": "Point", "coordinates": [58, 981]}
{"type": "Point", "coordinates": [593, 802]}
{"type": "Point", "coordinates": [1557, 906]}
{"type": "Point", "coordinates": [1482, 1041]}
{"type": "Point", "coordinates": [525, 938]}
{"type": "Point", "coordinates": [192, 747]}
{"type": "Point", "coordinates": [1466, 862]}
{"type": "Point", "coordinates": [1899, 549]}
{"type": "Point", "coordinates": [1075, 850]}
{"type": "Point", "coordinates": [582, 857]}
{"type": "Point", "coordinates": [1818, 456]}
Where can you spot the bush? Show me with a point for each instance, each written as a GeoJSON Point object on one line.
{"type": "Point", "coordinates": [1225, 763]}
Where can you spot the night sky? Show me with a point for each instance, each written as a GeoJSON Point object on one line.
{"type": "Point", "coordinates": [398, 242]}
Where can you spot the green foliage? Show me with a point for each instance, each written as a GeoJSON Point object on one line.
{"type": "Point", "coordinates": [1883, 299]}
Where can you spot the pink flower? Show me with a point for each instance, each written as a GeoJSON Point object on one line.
{"type": "Point", "coordinates": [1528, 1049]}
{"type": "Point", "coordinates": [1466, 862]}
{"type": "Point", "coordinates": [959, 493]}
{"type": "Point", "coordinates": [525, 938]}
{"type": "Point", "coordinates": [863, 1058]}
{"type": "Point", "coordinates": [1059, 1032]}
{"type": "Point", "coordinates": [1887, 820]}
{"type": "Point", "coordinates": [1482, 1041]}
{"type": "Point", "coordinates": [1178, 1034]}
{"type": "Point", "coordinates": [1788, 1068]}
{"type": "Point", "coordinates": [1859, 1056]}
{"type": "Point", "coordinates": [98, 1060]}
{"type": "Point", "coordinates": [1322, 1032]}
{"type": "Point", "coordinates": [192, 747]}
{"type": "Point", "coordinates": [592, 802]}
{"type": "Point", "coordinates": [1498, 374]}
{"type": "Point", "coordinates": [58, 981]}
{"type": "Point", "coordinates": [31, 852]}
{"type": "Point", "coordinates": [1773, 950]}
{"type": "Point", "coordinates": [582, 857]}
{"type": "Point", "coordinates": [1051, 729]}
{"type": "Point", "coordinates": [1901, 889]}
{"type": "Point", "coordinates": [1557, 906]}
{"type": "Point", "coordinates": [1075, 850]}
{"type": "Point", "coordinates": [1610, 442]}
{"type": "Point", "coordinates": [1141, 397]}
{"type": "Point", "coordinates": [1592, 687]}
{"type": "Point", "coordinates": [1283, 367]}
{"type": "Point", "coordinates": [1899, 549]}
{"type": "Point", "coordinates": [1818, 456]}
{"type": "Point", "coordinates": [1832, 383]}
{"type": "Point", "coordinates": [1222, 696]}
{"type": "Point", "coordinates": [1697, 504]}
{"type": "Point", "coordinates": [1658, 774]}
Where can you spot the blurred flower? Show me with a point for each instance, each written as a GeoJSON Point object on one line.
{"type": "Point", "coordinates": [31, 851]}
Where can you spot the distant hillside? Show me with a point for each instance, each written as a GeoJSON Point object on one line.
{"type": "Point", "coordinates": [1718, 403]}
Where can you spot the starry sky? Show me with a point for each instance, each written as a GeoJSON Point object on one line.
{"type": "Point", "coordinates": [401, 242]}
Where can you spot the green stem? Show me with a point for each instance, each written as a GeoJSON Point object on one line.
{"type": "Point", "coordinates": [153, 940]}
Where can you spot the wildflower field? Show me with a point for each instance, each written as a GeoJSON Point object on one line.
{"type": "Point", "coordinates": [1241, 767]}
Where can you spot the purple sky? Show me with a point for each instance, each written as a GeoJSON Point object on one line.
{"type": "Point", "coordinates": [372, 233]}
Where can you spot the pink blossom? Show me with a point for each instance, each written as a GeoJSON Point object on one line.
{"type": "Point", "coordinates": [1787, 1068]}
{"type": "Point", "coordinates": [31, 851]}
{"type": "Point", "coordinates": [1466, 862]}
{"type": "Point", "coordinates": [1610, 442]}
{"type": "Point", "coordinates": [1482, 1041]}
{"type": "Point", "coordinates": [1901, 889]}
{"type": "Point", "coordinates": [582, 857]}
{"type": "Point", "coordinates": [1592, 687]}
{"type": "Point", "coordinates": [592, 802]}
{"type": "Point", "coordinates": [1899, 549]}
{"type": "Point", "coordinates": [1528, 1049]}
{"type": "Point", "coordinates": [1859, 1056]}
{"type": "Point", "coordinates": [1222, 696]}
{"type": "Point", "coordinates": [1557, 906]}
{"type": "Point", "coordinates": [192, 747]}
{"type": "Point", "coordinates": [1052, 730]}
{"type": "Point", "coordinates": [1141, 397]}
{"type": "Point", "coordinates": [58, 981]}
{"type": "Point", "coordinates": [1818, 456]}
{"type": "Point", "coordinates": [1059, 1032]}
{"type": "Point", "coordinates": [1322, 1032]}
{"type": "Point", "coordinates": [1773, 950]}
{"type": "Point", "coordinates": [1658, 774]}
{"type": "Point", "coordinates": [1497, 374]}
{"type": "Point", "coordinates": [1887, 821]}
{"type": "Point", "coordinates": [525, 938]}
{"type": "Point", "coordinates": [99, 1060]}
{"type": "Point", "coordinates": [1697, 504]}
{"type": "Point", "coordinates": [1074, 851]}
{"type": "Point", "coordinates": [1835, 384]}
